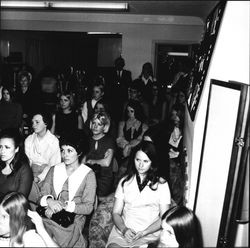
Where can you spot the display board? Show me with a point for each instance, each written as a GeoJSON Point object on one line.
{"type": "Point", "coordinates": [202, 58]}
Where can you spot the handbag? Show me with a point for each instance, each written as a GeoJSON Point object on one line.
{"type": "Point", "coordinates": [62, 218]}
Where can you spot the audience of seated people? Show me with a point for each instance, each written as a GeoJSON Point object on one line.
{"type": "Point", "coordinates": [150, 113]}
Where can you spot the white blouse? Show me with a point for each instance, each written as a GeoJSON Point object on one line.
{"type": "Point", "coordinates": [43, 151]}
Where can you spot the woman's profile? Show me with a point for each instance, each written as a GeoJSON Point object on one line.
{"type": "Point", "coordinates": [16, 228]}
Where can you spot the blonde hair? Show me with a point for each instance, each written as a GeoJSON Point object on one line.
{"type": "Point", "coordinates": [103, 118]}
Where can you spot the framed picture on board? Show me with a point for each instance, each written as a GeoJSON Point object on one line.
{"type": "Point", "coordinates": [202, 58]}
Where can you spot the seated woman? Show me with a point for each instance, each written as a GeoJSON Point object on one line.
{"type": "Point", "coordinates": [101, 154]}
{"type": "Point", "coordinates": [141, 199]}
{"type": "Point", "coordinates": [66, 119]}
{"type": "Point", "coordinates": [175, 149]}
{"type": "Point", "coordinates": [103, 106]}
{"type": "Point", "coordinates": [16, 228]}
{"type": "Point", "coordinates": [69, 187]}
{"type": "Point", "coordinates": [180, 228]}
{"type": "Point", "coordinates": [130, 131]}
{"type": "Point", "coordinates": [42, 149]}
{"type": "Point", "coordinates": [11, 112]}
{"type": "Point", "coordinates": [15, 172]}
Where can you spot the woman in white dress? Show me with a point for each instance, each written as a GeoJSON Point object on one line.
{"type": "Point", "coordinates": [141, 199]}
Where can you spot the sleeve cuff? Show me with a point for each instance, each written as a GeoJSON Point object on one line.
{"type": "Point", "coordinates": [70, 206]}
{"type": "Point", "coordinates": [43, 201]}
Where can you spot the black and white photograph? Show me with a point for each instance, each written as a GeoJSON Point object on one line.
{"type": "Point", "coordinates": [124, 124]}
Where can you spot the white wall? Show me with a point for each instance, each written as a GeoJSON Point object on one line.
{"type": "Point", "coordinates": [230, 61]}
{"type": "Point", "coordinates": [139, 32]}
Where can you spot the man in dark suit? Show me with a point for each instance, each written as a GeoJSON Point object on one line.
{"type": "Point", "coordinates": [118, 84]}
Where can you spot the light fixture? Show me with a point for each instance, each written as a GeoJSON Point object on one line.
{"type": "Point", "coordinates": [101, 32]}
{"type": "Point", "coordinates": [65, 5]}
{"type": "Point", "coordinates": [22, 4]}
{"type": "Point", "coordinates": [177, 54]}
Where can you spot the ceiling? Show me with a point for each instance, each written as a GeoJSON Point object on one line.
{"type": "Point", "coordinates": [181, 8]}
{"type": "Point", "coordinates": [199, 9]}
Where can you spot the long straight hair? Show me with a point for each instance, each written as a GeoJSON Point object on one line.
{"type": "Point", "coordinates": [16, 205]}
{"type": "Point", "coordinates": [185, 225]}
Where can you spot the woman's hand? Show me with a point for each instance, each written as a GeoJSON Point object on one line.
{"type": "Point", "coordinates": [126, 150]}
{"type": "Point", "coordinates": [55, 205]}
{"type": "Point", "coordinates": [49, 213]}
{"type": "Point", "coordinates": [90, 161]}
{"type": "Point", "coordinates": [138, 235]}
{"type": "Point", "coordinates": [37, 179]}
{"type": "Point", "coordinates": [129, 235]}
{"type": "Point", "coordinates": [36, 219]}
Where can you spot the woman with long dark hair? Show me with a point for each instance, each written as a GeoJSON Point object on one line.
{"type": "Point", "coordinates": [15, 171]}
{"type": "Point", "coordinates": [131, 130]}
{"type": "Point", "coordinates": [180, 228]}
{"type": "Point", "coordinates": [141, 198]}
